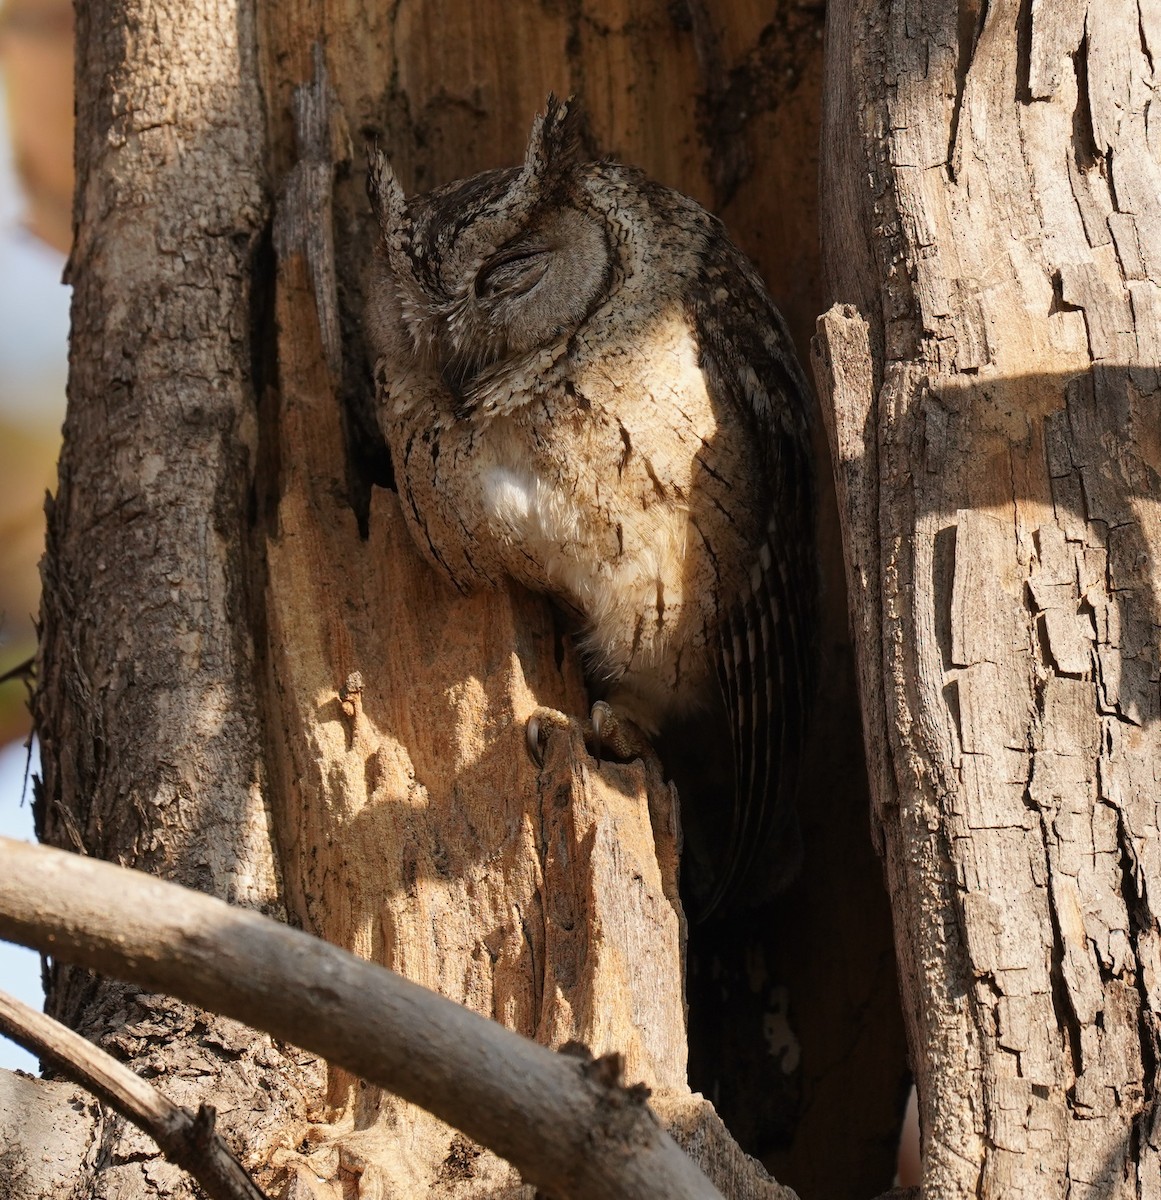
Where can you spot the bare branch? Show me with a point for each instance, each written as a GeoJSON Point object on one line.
{"type": "Point", "coordinates": [23, 670]}
{"type": "Point", "coordinates": [185, 1138]}
{"type": "Point", "coordinates": [565, 1123]}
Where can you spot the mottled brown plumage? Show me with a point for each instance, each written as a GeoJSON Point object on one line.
{"type": "Point", "coordinates": [585, 387]}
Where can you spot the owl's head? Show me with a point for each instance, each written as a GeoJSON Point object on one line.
{"type": "Point", "coordinates": [503, 263]}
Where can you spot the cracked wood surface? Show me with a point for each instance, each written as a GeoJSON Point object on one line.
{"type": "Point", "coordinates": [991, 366]}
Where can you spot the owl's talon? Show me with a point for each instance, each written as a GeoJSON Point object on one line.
{"type": "Point", "coordinates": [600, 715]}
{"type": "Point", "coordinates": [532, 741]}
{"type": "Point", "coordinates": [607, 734]}
{"type": "Point", "coordinates": [542, 722]}
{"type": "Point", "coordinates": [613, 736]}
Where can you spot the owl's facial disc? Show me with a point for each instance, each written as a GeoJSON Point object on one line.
{"type": "Point", "coordinates": [522, 293]}
{"type": "Point", "coordinates": [543, 282]}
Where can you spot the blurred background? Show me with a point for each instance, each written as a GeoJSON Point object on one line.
{"type": "Point", "coordinates": [36, 182]}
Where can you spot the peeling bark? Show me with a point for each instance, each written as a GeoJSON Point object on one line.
{"type": "Point", "coordinates": [149, 722]}
{"type": "Point", "coordinates": [994, 434]}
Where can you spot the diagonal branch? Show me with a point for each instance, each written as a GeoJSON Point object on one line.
{"type": "Point", "coordinates": [566, 1123]}
{"type": "Point", "coordinates": [185, 1138]}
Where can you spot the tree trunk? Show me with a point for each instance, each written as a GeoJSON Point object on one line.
{"type": "Point", "coordinates": [990, 366]}
{"type": "Point", "coordinates": [252, 684]}
{"type": "Point", "coordinates": [151, 735]}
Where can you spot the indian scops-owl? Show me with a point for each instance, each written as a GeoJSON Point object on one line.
{"type": "Point", "coordinates": [585, 387]}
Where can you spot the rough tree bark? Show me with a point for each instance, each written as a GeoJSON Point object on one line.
{"type": "Point", "coordinates": [993, 252]}
{"type": "Point", "coordinates": [147, 711]}
{"type": "Point", "coordinates": [252, 685]}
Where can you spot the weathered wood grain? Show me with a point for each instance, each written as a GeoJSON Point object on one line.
{"type": "Point", "coordinates": [990, 206]}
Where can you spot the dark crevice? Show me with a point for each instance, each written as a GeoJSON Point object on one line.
{"type": "Point", "coordinates": [368, 462]}
{"type": "Point", "coordinates": [1044, 644]}
{"type": "Point", "coordinates": [1144, 40]}
{"type": "Point", "coordinates": [943, 585]}
{"type": "Point", "coordinates": [954, 712]}
{"type": "Point", "coordinates": [1086, 153]}
{"type": "Point", "coordinates": [1059, 304]}
{"type": "Point", "coordinates": [1111, 177]}
{"type": "Point", "coordinates": [1141, 923]}
{"type": "Point", "coordinates": [1067, 1020]}
{"type": "Point", "coordinates": [1024, 53]}
{"type": "Point", "coordinates": [972, 15]}
{"type": "Point", "coordinates": [1040, 633]}
{"type": "Point", "coordinates": [267, 470]}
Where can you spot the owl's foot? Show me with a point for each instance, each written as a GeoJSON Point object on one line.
{"type": "Point", "coordinates": [607, 734]}
{"type": "Point", "coordinates": [542, 722]}
{"type": "Point", "coordinates": [614, 736]}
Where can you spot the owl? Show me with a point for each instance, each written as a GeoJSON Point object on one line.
{"type": "Point", "coordinates": [585, 388]}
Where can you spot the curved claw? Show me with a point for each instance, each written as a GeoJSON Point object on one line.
{"type": "Point", "coordinates": [533, 742]}
{"type": "Point", "coordinates": [607, 734]}
{"type": "Point", "coordinates": [542, 722]}
{"type": "Point", "coordinates": [613, 736]}
{"type": "Point", "coordinates": [599, 718]}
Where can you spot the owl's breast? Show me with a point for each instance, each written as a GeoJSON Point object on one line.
{"type": "Point", "coordinates": [609, 477]}
{"type": "Point", "coordinates": [624, 488]}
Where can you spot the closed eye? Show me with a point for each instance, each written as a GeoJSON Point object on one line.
{"type": "Point", "coordinates": [512, 272]}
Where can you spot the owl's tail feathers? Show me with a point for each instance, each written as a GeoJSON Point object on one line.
{"type": "Point", "coordinates": [765, 657]}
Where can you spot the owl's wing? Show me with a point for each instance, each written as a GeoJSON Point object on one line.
{"type": "Point", "coordinates": [767, 638]}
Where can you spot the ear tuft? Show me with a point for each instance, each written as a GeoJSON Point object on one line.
{"type": "Point", "coordinates": [556, 141]}
{"type": "Point", "coordinates": [386, 195]}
